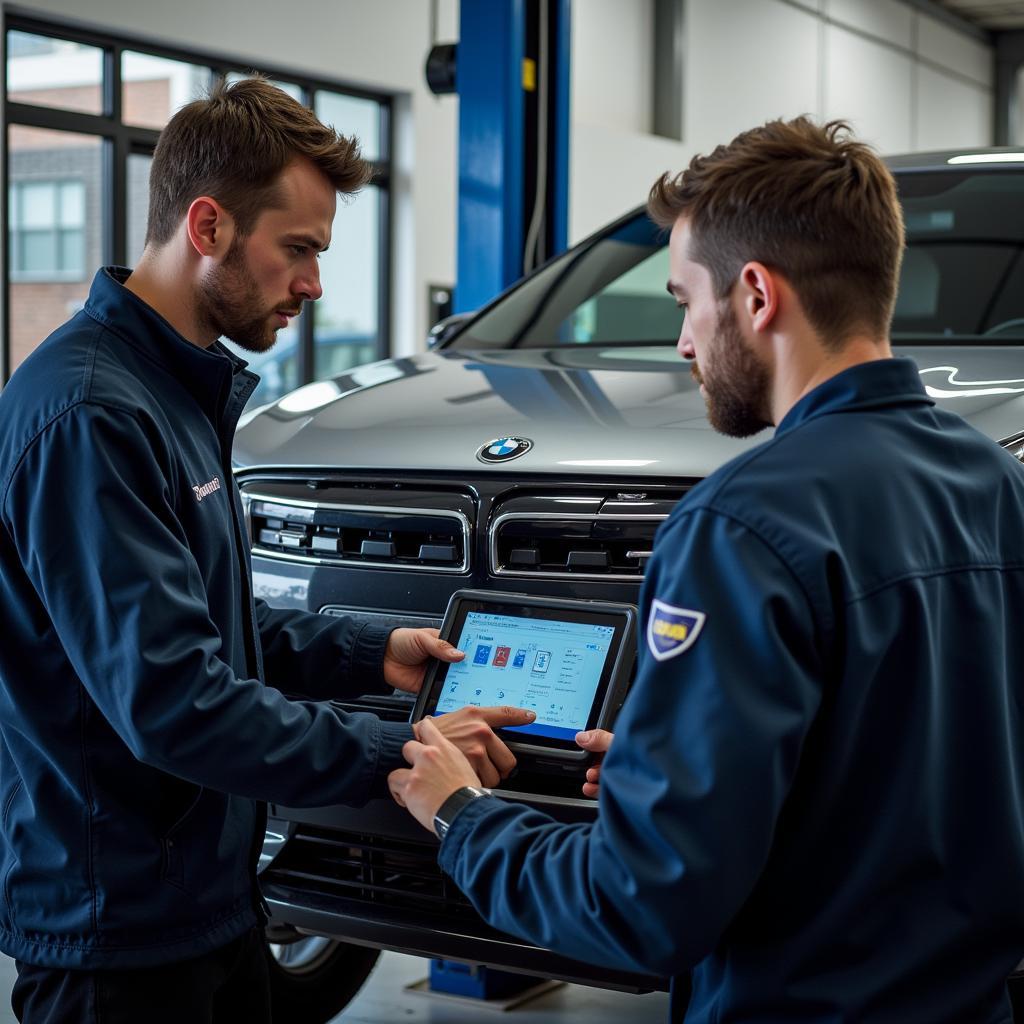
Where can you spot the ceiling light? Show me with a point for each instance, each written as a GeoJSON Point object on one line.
{"type": "Point", "coordinates": [987, 158]}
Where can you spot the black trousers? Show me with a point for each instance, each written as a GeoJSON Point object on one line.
{"type": "Point", "coordinates": [228, 986]}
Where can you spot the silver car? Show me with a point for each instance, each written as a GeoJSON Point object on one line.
{"type": "Point", "coordinates": [536, 449]}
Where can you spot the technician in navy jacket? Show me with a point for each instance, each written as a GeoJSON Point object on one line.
{"type": "Point", "coordinates": [136, 731]}
{"type": "Point", "coordinates": [814, 797]}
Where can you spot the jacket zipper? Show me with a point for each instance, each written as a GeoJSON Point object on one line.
{"type": "Point", "coordinates": [253, 664]}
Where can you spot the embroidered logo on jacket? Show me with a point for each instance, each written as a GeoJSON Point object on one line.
{"type": "Point", "coordinates": [671, 630]}
{"type": "Point", "coordinates": [204, 490]}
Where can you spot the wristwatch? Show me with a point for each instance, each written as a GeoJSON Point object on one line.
{"type": "Point", "coordinates": [450, 808]}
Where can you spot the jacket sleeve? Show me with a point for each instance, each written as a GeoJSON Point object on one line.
{"type": "Point", "coordinates": [704, 755]}
{"type": "Point", "coordinates": [90, 509]}
{"type": "Point", "coordinates": [320, 656]}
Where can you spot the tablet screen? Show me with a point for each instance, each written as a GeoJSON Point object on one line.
{"type": "Point", "coordinates": [553, 666]}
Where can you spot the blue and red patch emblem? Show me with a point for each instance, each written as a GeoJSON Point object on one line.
{"type": "Point", "coordinates": [671, 630]}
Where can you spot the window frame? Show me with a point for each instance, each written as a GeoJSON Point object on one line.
{"type": "Point", "coordinates": [120, 140]}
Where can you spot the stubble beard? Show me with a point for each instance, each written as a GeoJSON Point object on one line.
{"type": "Point", "coordinates": [228, 296]}
{"type": "Point", "coordinates": [737, 386]}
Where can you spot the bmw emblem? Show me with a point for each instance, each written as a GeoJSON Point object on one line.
{"type": "Point", "coordinates": [504, 449]}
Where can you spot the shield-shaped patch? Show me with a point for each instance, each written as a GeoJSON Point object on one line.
{"type": "Point", "coordinates": [671, 630]}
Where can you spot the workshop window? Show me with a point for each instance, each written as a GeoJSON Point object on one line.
{"type": "Point", "coordinates": [82, 115]}
{"type": "Point", "coordinates": [154, 89]}
{"type": "Point", "coordinates": [46, 71]}
{"type": "Point", "coordinates": [47, 230]}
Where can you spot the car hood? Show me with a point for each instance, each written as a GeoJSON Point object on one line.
{"type": "Point", "coordinates": [588, 411]}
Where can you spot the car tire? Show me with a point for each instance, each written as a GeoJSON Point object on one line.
{"type": "Point", "coordinates": [313, 978]}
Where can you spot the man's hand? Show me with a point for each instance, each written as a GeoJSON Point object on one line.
{"type": "Point", "coordinates": [439, 768]}
{"type": "Point", "coordinates": [597, 741]}
{"type": "Point", "coordinates": [405, 657]}
{"type": "Point", "coordinates": [471, 731]}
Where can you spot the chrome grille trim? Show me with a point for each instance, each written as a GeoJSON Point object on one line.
{"type": "Point", "coordinates": [251, 496]}
{"type": "Point", "coordinates": [592, 517]}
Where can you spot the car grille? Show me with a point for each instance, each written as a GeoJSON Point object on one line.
{"type": "Point", "coordinates": [368, 868]}
{"type": "Point", "coordinates": [576, 537]}
{"type": "Point", "coordinates": [351, 533]}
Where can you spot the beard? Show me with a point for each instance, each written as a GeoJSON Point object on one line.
{"type": "Point", "coordinates": [737, 385]}
{"type": "Point", "coordinates": [229, 301]}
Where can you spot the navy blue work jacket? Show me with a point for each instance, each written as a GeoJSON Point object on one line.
{"type": "Point", "coordinates": [814, 797]}
{"type": "Point", "coordinates": [136, 731]}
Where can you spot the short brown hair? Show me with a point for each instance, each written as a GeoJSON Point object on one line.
{"type": "Point", "coordinates": [807, 200]}
{"type": "Point", "coordinates": [233, 146]}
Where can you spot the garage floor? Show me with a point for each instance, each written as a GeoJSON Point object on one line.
{"type": "Point", "coordinates": [383, 1001]}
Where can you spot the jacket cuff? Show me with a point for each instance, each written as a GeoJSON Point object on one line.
{"type": "Point", "coordinates": [368, 657]}
{"type": "Point", "coordinates": [391, 738]}
{"type": "Point", "coordinates": [462, 826]}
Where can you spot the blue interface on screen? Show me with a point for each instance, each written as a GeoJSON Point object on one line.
{"type": "Point", "coordinates": [549, 666]}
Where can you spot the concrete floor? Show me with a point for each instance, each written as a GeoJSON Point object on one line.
{"type": "Point", "coordinates": [7, 976]}
{"type": "Point", "coordinates": [384, 1000]}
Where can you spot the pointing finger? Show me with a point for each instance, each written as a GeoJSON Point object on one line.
{"type": "Point", "coordinates": [504, 715]}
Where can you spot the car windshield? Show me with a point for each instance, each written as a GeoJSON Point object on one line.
{"type": "Point", "coordinates": [962, 277]}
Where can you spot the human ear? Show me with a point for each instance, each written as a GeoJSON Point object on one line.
{"type": "Point", "coordinates": [759, 294]}
{"type": "Point", "coordinates": [209, 226]}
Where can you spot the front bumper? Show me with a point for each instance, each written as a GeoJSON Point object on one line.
{"type": "Point", "coordinates": [370, 876]}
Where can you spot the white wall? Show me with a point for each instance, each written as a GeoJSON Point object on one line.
{"type": "Point", "coordinates": [611, 43]}
{"type": "Point", "coordinates": [380, 44]}
{"type": "Point", "coordinates": [905, 80]}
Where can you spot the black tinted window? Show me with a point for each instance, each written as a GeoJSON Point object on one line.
{"type": "Point", "coordinates": [962, 272]}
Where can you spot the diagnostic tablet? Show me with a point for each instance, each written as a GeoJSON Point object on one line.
{"type": "Point", "coordinates": [569, 661]}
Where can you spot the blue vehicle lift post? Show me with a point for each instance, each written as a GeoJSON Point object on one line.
{"type": "Point", "coordinates": [512, 77]}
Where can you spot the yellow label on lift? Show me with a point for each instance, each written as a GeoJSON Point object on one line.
{"type": "Point", "coordinates": [529, 74]}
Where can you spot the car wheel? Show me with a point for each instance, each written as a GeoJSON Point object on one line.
{"type": "Point", "coordinates": [313, 978]}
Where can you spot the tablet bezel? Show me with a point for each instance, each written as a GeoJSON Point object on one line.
{"type": "Point", "coordinates": [611, 686]}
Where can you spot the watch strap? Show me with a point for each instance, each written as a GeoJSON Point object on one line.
{"type": "Point", "coordinates": [448, 811]}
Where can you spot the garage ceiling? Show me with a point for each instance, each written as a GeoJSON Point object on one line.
{"type": "Point", "coordinates": [996, 15]}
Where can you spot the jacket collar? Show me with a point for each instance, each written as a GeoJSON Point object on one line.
{"type": "Point", "coordinates": [216, 378]}
{"type": "Point", "coordinates": [881, 382]}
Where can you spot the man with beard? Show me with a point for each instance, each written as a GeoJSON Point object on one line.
{"type": "Point", "coordinates": [141, 712]}
{"type": "Point", "coordinates": [813, 797]}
